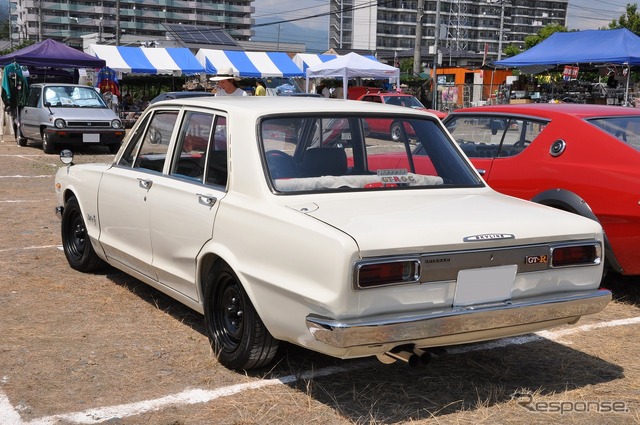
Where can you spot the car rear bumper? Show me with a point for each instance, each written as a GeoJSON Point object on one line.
{"type": "Point", "coordinates": [516, 314]}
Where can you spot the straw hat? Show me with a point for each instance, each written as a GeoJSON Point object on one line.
{"type": "Point", "coordinates": [224, 74]}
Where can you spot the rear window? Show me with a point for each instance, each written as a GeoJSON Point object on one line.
{"type": "Point", "coordinates": [341, 153]}
{"type": "Point", "coordinates": [626, 129]}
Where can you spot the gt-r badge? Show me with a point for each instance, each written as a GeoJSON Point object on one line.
{"type": "Point", "coordinates": [488, 236]}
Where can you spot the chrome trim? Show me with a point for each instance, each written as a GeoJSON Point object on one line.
{"type": "Point", "coordinates": [405, 327]}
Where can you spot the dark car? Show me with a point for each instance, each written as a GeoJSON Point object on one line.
{"type": "Point", "coordinates": [179, 95]}
{"type": "Point", "coordinates": [578, 158]}
{"type": "Point", "coordinates": [68, 114]}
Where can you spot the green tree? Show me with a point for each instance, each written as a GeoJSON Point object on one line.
{"type": "Point", "coordinates": [630, 20]}
{"type": "Point", "coordinates": [512, 50]}
{"type": "Point", "coordinates": [543, 34]}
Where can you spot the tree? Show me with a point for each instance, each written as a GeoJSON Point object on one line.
{"type": "Point", "coordinates": [630, 20]}
{"type": "Point", "coordinates": [512, 50]}
{"type": "Point", "coordinates": [543, 34]}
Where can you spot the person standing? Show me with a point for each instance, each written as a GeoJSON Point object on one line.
{"type": "Point", "coordinates": [228, 83]}
{"type": "Point", "coordinates": [260, 88]}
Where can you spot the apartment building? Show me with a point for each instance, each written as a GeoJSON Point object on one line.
{"type": "Point", "coordinates": [467, 27]}
{"type": "Point", "coordinates": [69, 20]}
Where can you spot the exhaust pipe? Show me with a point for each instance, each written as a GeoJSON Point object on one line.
{"type": "Point", "coordinates": [413, 358]}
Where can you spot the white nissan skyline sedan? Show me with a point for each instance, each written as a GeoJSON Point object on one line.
{"type": "Point", "coordinates": [284, 219]}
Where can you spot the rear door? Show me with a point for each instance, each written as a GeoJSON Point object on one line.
{"type": "Point", "coordinates": [183, 204]}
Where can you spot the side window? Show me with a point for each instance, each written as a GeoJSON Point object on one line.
{"type": "Point", "coordinates": [490, 137]}
{"type": "Point", "coordinates": [216, 171]}
{"type": "Point", "coordinates": [191, 148]}
{"type": "Point", "coordinates": [148, 149]}
{"type": "Point", "coordinates": [34, 97]}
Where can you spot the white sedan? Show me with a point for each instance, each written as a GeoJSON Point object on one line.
{"type": "Point", "coordinates": [284, 219]}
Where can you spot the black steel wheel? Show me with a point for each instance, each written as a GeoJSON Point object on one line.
{"type": "Point", "coordinates": [75, 239]}
{"type": "Point", "coordinates": [236, 332]}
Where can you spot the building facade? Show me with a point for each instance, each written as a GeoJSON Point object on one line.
{"type": "Point", "coordinates": [69, 20]}
{"type": "Point", "coordinates": [466, 26]}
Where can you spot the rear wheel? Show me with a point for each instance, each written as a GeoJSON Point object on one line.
{"type": "Point", "coordinates": [20, 140]}
{"type": "Point", "coordinates": [47, 144]}
{"type": "Point", "coordinates": [236, 332]}
{"type": "Point", "coordinates": [75, 239]}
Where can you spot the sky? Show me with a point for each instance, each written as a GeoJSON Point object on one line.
{"type": "Point", "coordinates": [582, 15]}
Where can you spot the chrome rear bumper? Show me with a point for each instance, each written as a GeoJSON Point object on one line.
{"type": "Point", "coordinates": [408, 327]}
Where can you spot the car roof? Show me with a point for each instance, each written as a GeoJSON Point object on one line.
{"type": "Point", "coordinates": [552, 110]}
{"type": "Point", "coordinates": [254, 106]}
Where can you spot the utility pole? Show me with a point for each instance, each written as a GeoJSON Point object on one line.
{"type": "Point", "coordinates": [117, 22]}
{"type": "Point", "coordinates": [434, 102]}
{"type": "Point", "coordinates": [417, 61]}
{"type": "Point", "coordinates": [502, 2]}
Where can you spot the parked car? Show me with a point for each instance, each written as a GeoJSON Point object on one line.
{"type": "Point", "coordinates": [179, 95]}
{"type": "Point", "coordinates": [578, 158]}
{"type": "Point", "coordinates": [390, 127]}
{"type": "Point", "coordinates": [248, 211]}
{"type": "Point", "coordinates": [68, 114]}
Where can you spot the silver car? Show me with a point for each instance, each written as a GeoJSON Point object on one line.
{"type": "Point", "coordinates": [68, 114]}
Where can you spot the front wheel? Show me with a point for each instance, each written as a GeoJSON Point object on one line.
{"type": "Point", "coordinates": [75, 239]}
{"type": "Point", "coordinates": [47, 144]}
{"type": "Point", "coordinates": [237, 335]}
{"type": "Point", "coordinates": [396, 131]}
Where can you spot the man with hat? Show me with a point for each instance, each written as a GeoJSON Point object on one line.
{"type": "Point", "coordinates": [228, 83]}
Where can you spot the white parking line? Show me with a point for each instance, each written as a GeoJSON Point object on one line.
{"type": "Point", "coordinates": [26, 177]}
{"type": "Point", "coordinates": [10, 415]}
{"type": "Point", "coordinates": [27, 248]}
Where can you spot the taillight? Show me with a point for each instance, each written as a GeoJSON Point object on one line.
{"type": "Point", "coordinates": [387, 273]}
{"type": "Point", "coordinates": [575, 255]}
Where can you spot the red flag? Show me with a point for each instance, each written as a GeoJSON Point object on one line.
{"type": "Point", "coordinates": [486, 51]}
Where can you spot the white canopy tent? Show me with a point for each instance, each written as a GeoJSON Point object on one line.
{"type": "Point", "coordinates": [352, 65]}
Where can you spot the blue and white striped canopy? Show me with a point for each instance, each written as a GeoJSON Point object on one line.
{"type": "Point", "coordinates": [249, 64]}
{"type": "Point", "coordinates": [148, 60]}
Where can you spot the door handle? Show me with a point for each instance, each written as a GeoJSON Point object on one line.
{"type": "Point", "coordinates": [207, 199]}
{"type": "Point", "coordinates": [145, 184]}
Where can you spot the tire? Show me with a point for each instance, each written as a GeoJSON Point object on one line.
{"type": "Point", "coordinates": [20, 140]}
{"type": "Point", "coordinates": [395, 131]}
{"type": "Point", "coordinates": [114, 148]}
{"type": "Point", "coordinates": [236, 333]}
{"type": "Point", "coordinates": [47, 144]}
{"type": "Point", "coordinates": [75, 240]}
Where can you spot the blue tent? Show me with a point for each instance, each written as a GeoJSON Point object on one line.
{"type": "Point", "coordinates": [619, 46]}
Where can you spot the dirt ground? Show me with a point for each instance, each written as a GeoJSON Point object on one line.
{"type": "Point", "coordinates": [105, 348]}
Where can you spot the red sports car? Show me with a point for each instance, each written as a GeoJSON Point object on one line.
{"type": "Point", "coordinates": [580, 158]}
{"type": "Point", "coordinates": [389, 127]}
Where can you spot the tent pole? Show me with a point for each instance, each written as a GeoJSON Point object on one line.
{"type": "Point", "coordinates": [626, 92]}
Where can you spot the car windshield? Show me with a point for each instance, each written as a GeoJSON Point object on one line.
{"type": "Point", "coordinates": [408, 101]}
{"type": "Point", "coordinates": [339, 153]}
{"type": "Point", "coordinates": [278, 86]}
{"type": "Point", "coordinates": [626, 128]}
{"type": "Point", "coordinates": [73, 97]}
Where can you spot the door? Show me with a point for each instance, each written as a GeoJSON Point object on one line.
{"type": "Point", "coordinates": [30, 114]}
{"type": "Point", "coordinates": [125, 190]}
{"type": "Point", "coordinates": [183, 205]}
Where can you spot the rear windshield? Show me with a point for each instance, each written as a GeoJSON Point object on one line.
{"type": "Point", "coordinates": [351, 153]}
{"type": "Point", "coordinates": [626, 129]}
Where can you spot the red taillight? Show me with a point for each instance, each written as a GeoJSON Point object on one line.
{"type": "Point", "coordinates": [378, 274]}
{"type": "Point", "coordinates": [575, 255]}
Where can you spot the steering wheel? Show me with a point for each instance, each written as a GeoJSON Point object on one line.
{"type": "Point", "coordinates": [522, 143]}
{"type": "Point", "coordinates": [281, 165]}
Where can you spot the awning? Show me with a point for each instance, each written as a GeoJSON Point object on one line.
{"type": "Point", "coordinates": [249, 64]}
{"type": "Point", "coordinates": [306, 60]}
{"type": "Point", "coordinates": [148, 60]}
